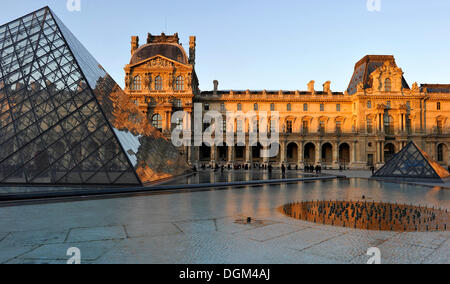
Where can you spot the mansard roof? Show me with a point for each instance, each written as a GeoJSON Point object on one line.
{"type": "Point", "coordinates": [436, 88]}
{"type": "Point", "coordinates": [365, 67]}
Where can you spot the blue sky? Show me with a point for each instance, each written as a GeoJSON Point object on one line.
{"type": "Point", "coordinates": [259, 44]}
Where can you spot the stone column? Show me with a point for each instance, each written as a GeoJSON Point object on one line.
{"type": "Point", "coordinates": [213, 155]}
{"type": "Point", "coordinates": [283, 152]}
{"type": "Point", "coordinates": [354, 157]}
{"type": "Point", "coordinates": [300, 153]}
{"type": "Point", "coordinates": [378, 161]}
{"type": "Point", "coordinates": [318, 153]}
{"type": "Point", "coordinates": [266, 159]}
{"type": "Point", "coordinates": [248, 154]}
{"type": "Point", "coordinates": [434, 152]}
{"type": "Point", "coordinates": [230, 155]}
{"type": "Point", "coordinates": [168, 122]}
{"type": "Point", "coordinates": [336, 154]}
{"type": "Point", "coordinates": [196, 156]}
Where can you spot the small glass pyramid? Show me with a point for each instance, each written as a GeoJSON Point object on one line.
{"type": "Point", "coordinates": [412, 162]}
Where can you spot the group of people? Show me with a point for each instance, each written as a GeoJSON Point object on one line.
{"type": "Point", "coordinates": [308, 168]}
{"type": "Point", "coordinates": [312, 169]}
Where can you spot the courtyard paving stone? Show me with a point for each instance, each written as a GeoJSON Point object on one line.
{"type": "Point", "coordinates": [207, 227]}
{"type": "Point", "coordinates": [96, 234]}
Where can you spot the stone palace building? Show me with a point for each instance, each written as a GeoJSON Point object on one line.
{"type": "Point", "coordinates": [366, 125]}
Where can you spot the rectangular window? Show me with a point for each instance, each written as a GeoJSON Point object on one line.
{"type": "Point", "coordinates": [289, 107]}
{"type": "Point", "coordinates": [239, 107]}
{"type": "Point", "coordinates": [439, 127]}
{"type": "Point", "coordinates": [289, 126]}
{"type": "Point", "coordinates": [272, 107]}
{"type": "Point", "coordinates": [322, 107]}
{"type": "Point", "coordinates": [438, 106]}
{"type": "Point", "coordinates": [224, 124]}
{"type": "Point", "coordinates": [408, 105]}
{"type": "Point", "coordinates": [338, 127]}
{"type": "Point", "coordinates": [388, 104]}
{"type": "Point", "coordinates": [206, 106]}
{"type": "Point", "coordinates": [369, 126]}
{"type": "Point", "coordinates": [305, 107]}
{"type": "Point", "coordinates": [177, 103]}
{"type": "Point", "coordinates": [273, 126]}
{"type": "Point", "coordinates": [222, 107]}
{"type": "Point", "coordinates": [338, 107]}
{"type": "Point", "coordinates": [369, 104]}
{"type": "Point", "coordinates": [305, 127]}
{"type": "Point", "coordinates": [322, 126]}
{"type": "Point", "coordinates": [239, 126]}
{"type": "Point", "coordinates": [179, 125]}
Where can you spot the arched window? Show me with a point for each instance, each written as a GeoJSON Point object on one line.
{"type": "Point", "coordinates": [158, 83]}
{"type": "Point", "coordinates": [387, 85]}
{"type": "Point", "coordinates": [179, 83]}
{"type": "Point", "coordinates": [137, 83]}
{"type": "Point", "coordinates": [157, 121]}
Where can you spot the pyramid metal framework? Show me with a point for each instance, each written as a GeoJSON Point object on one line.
{"type": "Point", "coordinates": [412, 162]}
{"type": "Point", "coordinates": [55, 113]}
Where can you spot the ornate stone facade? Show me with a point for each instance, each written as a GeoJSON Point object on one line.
{"type": "Point", "coordinates": [374, 118]}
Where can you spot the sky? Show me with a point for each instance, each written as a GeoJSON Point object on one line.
{"type": "Point", "coordinates": [265, 44]}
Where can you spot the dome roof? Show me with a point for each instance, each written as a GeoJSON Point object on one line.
{"type": "Point", "coordinates": [170, 50]}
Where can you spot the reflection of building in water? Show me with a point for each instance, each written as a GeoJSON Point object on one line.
{"type": "Point", "coordinates": [366, 125]}
{"type": "Point", "coordinates": [63, 119]}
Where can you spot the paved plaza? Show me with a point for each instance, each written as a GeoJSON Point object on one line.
{"type": "Point", "coordinates": [207, 227]}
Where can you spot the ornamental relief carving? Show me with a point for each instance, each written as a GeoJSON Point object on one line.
{"type": "Point", "coordinates": [159, 62]}
{"type": "Point", "coordinates": [387, 71]}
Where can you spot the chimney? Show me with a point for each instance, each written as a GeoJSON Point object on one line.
{"type": "Point", "coordinates": [134, 44]}
{"type": "Point", "coordinates": [311, 87]}
{"type": "Point", "coordinates": [192, 45]}
{"type": "Point", "coordinates": [327, 87]}
{"type": "Point", "coordinates": [216, 87]}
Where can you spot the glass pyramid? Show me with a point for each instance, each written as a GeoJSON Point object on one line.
{"type": "Point", "coordinates": [412, 162]}
{"type": "Point", "coordinates": [58, 121]}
